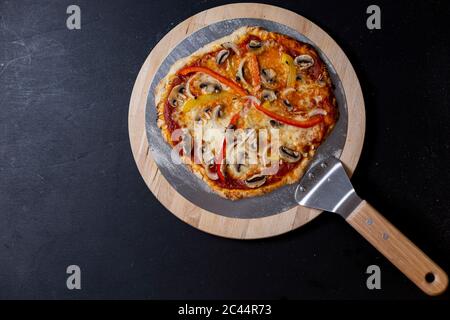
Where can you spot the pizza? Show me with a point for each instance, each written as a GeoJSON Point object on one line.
{"type": "Point", "coordinates": [247, 112]}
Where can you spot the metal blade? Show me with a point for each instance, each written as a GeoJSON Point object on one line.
{"type": "Point", "coordinates": [326, 186]}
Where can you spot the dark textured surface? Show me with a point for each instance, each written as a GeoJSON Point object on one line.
{"type": "Point", "coordinates": [70, 192]}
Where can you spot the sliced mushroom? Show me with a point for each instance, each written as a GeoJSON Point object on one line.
{"type": "Point", "coordinates": [218, 112]}
{"type": "Point", "coordinates": [275, 124]}
{"type": "Point", "coordinates": [207, 84]}
{"type": "Point", "coordinates": [176, 96]}
{"type": "Point", "coordinates": [289, 155]}
{"type": "Point", "coordinates": [269, 95]}
{"type": "Point", "coordinates": [206, 113]}
{"type": "Point", "coordinates": [254, 44]}
{"type": "Point", "coordinates": [304, 61]}
{"type": "Point", "coordinates": [255, 181]}
{"type": "Point", "coordinates": [287, 104]}
{"type": "Point", "coordinates": [222, 56]}
{"type": "Point", "coordinates": [253, 141]}
{"type": "Point", "coordinates": [268, 75]}
{"type": "Point", "coordinates": [210, 87]}
{"type": "Point", "coordinates": [211, 172]}
{"type": "Point", "coordinates": [208, 156]}
{"type": "Point", "coordinates": [232, 46]}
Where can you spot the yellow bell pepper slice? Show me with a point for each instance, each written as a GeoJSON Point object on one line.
{"type": "Point", "coordinates": [203, 100]}
{"type": "Point", "coordinates": [292, 73]}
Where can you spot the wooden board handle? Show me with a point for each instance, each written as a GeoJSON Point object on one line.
{"type": "Point", "coordinates": [407, 257]}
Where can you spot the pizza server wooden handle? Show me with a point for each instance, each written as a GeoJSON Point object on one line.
{"type": "Point", "coordinates": [406, 256]}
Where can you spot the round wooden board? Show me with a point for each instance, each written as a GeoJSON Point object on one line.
{"type": "Point", "coordinates": [167, 195]}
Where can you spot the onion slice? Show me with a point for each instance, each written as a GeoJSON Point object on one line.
{"type": "Point", "coordinates": [253, 99]}
{"type": "Point", "coordinates": [232, 46]}
{"type": "Point", "coordinates": [240, 72]}
{"type": "Point", "coordinates": [317, 111]}
{"type": "Point", "coordinates": [286, 91]}
{"type": "Point", "coordinates": [211, 174]}
{"type": "Point", "coordinates": [188, 87]}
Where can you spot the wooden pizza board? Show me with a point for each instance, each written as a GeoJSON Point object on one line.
{"type": "Point", "coordinates": [167, 195]}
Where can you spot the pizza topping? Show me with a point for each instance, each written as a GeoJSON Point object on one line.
{"type": "Point", "coordinates": [237, 88]}
{"type": "Point", "coordinates": [237, 169]}
{"type": "Point", "coordinates": [288, 105]}
{"type": "Point", "coordinates": [253, 68]}
{"type": "Point", "coordinates": [210, 87]}
{"type": "Point", "coordinates": [296, 123]}
{"type": "Point", "coordinates": [316, 112]}
{"type": "Point", "coordinates": [208, 156]}
{"type": "Point", "coordinates": [286, 91]}
{"type": "Point", "coordinates": [255, 181]}
{"type": "Point", "coordinates": [188, 88]}
{"type": "Point", "coordinates": [268, 76]}
{"type": "Point", "coordinates": [292, 72]}
{"type": "Point", "coordinates": [304, 61]}
{"type": "Point", "coordinates": [203, 100]}
{"type": "Point", "coordinates": [275, 124]}
{"type": "Point", "coordinates": [254, 71]}
{"type": "Point", "coordinates": [176, 96]}
{"type": "Point", "coordinates": [254, 44]}
{"type": "Point", "coordinates": [221, 156]}
{"type": "Point", "coordinates": [269, 95]}
{"type": "Point", "coordinates": [211, 172]}
{"type": "Point", "coordinates": [222, 56]}
{"type": "Point", "coordinates": [219, 170]}
{"type": "Point", "coordinates": [289, 155]}
{"type": "Point", "coordinates": [253, 99]}
{"type": "Point", "coordinates": [232, 46]}
{"type": "Point", "coordinates": [241, 169]}
{"type": "Point", "coordinates": [240, 72]}
{"type": "Point", "coordinates": [218, 112]}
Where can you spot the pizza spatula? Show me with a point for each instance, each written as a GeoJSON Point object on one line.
{"type": "Point", "coordinates": [326, 186]}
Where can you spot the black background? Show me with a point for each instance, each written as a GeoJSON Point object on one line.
{"type": "Point", "coordinates": [70, 192]}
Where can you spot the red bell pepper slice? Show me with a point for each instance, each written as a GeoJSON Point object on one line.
{"type": "Point", "coordinates": [230, 83]}
{"type": "Point", "coordinates": [253, 67]}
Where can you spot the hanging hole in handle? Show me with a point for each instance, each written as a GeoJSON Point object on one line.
{"type": "Point", "coordinates": [429, 277]}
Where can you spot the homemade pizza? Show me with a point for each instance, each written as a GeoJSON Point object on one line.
{"type": "Point", "coordinates": [247, 112]}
